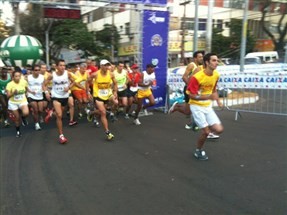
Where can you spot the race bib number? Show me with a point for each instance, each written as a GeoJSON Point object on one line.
{"type": "Point", "coordinates": [83, 83]}
{"type": "Point", "coordinates": [103, 92]}
{"type": "Point", "coordinates": [36, 89]}
{"type": "Point", "coordinates": [19, 97]}
{"type": "Point", "coordinates": [59, 89]}
{"type": "Point", "coordinates": [121, 87]}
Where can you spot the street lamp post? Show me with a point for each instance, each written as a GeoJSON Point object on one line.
{"type": "Point", "coordinates": [183, 31]}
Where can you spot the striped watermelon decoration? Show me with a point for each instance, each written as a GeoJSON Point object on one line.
{"type": "Point", "coordinates": [20, 50]}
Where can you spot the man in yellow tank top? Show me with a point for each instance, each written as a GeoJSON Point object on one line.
{"type": "Point", "coordinates": [104, 91]}
{"type": "Point", "coordinates": [202, 90]}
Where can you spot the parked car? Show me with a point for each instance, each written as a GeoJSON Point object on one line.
{"type": "Point", "coordinates": [252, 60]}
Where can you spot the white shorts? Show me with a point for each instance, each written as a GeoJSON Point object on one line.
{"type": "Point", "coordinates": [204, 116]}
{"type": "Point", "coordinates": [16, 106]}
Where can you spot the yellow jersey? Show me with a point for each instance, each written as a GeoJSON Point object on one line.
{"type": "Point", "coordinates": [81, 79]}
{"type": "Point", "coordinates": [202, 84]}
{"type": "Point", "coordinates": [20, 97]}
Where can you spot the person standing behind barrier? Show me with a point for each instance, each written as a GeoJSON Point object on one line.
{"type": "Point", "coordinates": [201, 90]}
{"type": "Point", "coordinates": [146, 81]}
{"type": "Point", "coordinates": [35, 94]}
{"type": "Point", "coordinates": [5, 78]}
{"type": "Point", "coordinates": [189, 71]}
{"type": "Point", "coordinates": [134, 78]}
{"type": "Point", "coordinates": [16, 90]}
{"type": "Point", "coordinates": [104, 91]}
{"type": "Point", "coordinates": [62, 81]}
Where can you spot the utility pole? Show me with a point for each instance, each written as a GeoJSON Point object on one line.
{"type": "Point", "coordinates": [183, 31]}
{"type": "Point", "coordinates": [243, 36]}
{"type": "Point", "coordinates": [47, 43]}
{"type": "Point", "coordinates": [113, 36]}
{"type": "Point", "coordinates": [209, 26]}
{"type": "Point", "coordinates": [195, 35]}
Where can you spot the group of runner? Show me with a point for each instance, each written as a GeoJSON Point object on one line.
{"type": "Point", "coordinates": [105, 91]}
{"type": "Point", "coordinates": [96, 93]}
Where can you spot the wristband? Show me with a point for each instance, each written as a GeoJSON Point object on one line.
{"type": "Point", "coordinates": [197, 97]}
{"type": "Point", "coordinates": [46, 91]}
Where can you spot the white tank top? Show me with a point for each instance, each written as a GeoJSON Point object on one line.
{"type": "Point", "coordinates": [35, 84]}
{"type": "Point", "coordinates": [60, 82]}
{"type": "Point", "coordinates": [147, 78]}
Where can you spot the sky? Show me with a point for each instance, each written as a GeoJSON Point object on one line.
{"type": "Point", "coordinates": [7, 13]}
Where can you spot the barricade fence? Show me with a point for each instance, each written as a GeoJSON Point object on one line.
{"type": "Point", "coordinates": [258, 90]}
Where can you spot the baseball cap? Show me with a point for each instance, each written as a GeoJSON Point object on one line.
{"type": "Point", "coordinates": [134, 66]}
{"type": "Point", "coordinates": [150, 65]}
{"type": "Point", "coordinates": [104, 62]}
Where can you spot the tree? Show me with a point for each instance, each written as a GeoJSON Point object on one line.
{"type": "Point", "coordinates": [73, 34]}
{"type": "Point", "coordinates": [230, 46]}
{"type": "Point", "coordinates": [106, 37]}
{"type": "Point", "coordinates": [281, 25]}
{"type": "Point", "coordinates": [4, 31]}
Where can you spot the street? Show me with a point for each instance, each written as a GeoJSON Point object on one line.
{"type": "Point", "coordinates": [146, 169]}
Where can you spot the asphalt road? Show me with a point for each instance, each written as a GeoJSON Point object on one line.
{"type": "Point", "coordinates": [146, 169]}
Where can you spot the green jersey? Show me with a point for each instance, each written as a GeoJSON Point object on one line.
{"type": "Point", "coordinates": [3, 84]}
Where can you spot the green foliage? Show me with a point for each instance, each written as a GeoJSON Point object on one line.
{"type": "Point", "coordinates": [230, 46]}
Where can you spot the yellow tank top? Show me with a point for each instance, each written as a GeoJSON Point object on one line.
{"type": "Point", "coordinates": [102, 85]}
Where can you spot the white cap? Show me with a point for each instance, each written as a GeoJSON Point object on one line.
{"type": "Point", "coordinates": [104, 62]}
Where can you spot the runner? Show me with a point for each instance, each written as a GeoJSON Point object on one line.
{"type": "Point", "coordinates": [104, 91]}
{"type": "Point", "coordinates": [5, 78]}
{"type": "Point", "coordinates": [62, 81]}
{"type": "Point", "coordinates": [189, 71]}
{"type": "Point", "coordinates": [201, 90]}
{"type": "Point", "coordinates": [121, 76]}
{"type": "Point", "coordinates": [134, 77]}
{"type": "Point", "coordinates": [47, 106]}
{"type": "Point", "coordinates": [35, 94]}
{"type": "Point", "coordinates": [15, 91]}
{"type": "Point", "coordinates": [146, 81]}
{"type": "Point", "coordinates": [81, 90]}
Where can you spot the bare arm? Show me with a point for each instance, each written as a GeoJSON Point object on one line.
{"type": "Point", "coordinates": [185, 76]}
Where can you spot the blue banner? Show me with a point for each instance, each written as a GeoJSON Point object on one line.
{"type": "Point", "coordinates": [145, 2]}
{"type": "Point", "coordinates": [155, 50]}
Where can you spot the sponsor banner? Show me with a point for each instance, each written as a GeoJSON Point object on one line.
{"type": "Point", "coordinates": [254, 81]}
{"type": "Point", "coordinates": [155, 50]}
{"type": "Point", "coordinates": [265, 76]}
{"type": "Point", "coordinates": [146, 2]}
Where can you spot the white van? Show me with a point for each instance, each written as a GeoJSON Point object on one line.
{"type": "Point", "coordinates": [266, 57]}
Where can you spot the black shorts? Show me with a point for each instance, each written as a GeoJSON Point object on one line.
{"type": "Point", "coordinates": [34, 100]}
{"type": "Point", "coordinates": [101, 100]}
{"type": "Point", "coordinates": [131, 93]}
{"type": "Point", "coordinates": [186, 97]}
{"type": "Point", "coordinates": [63, 101]}
{"type": "Point", "coordinates": [123, 93]}
{"type": "Point", "coordinates": [44, 97]}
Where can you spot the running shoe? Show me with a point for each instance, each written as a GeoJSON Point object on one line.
{"type": "Point", "coordinates": [137, 122]}
{"type": "Point", "coordinates": [41, 120]}
{"type": "Point", "coordinates": [68, 113]}
{"type": "Point", "coordinates": [127, 116]}
{"type": "Point", "coordinates": [24, 121]}
{"type": "Point", "coordinates": [212, 136]}
{"type": "Point", "coordinates": [37, 127]}
{"type": "Point", "coordinates": [171, 109]}
{"type": "Point", "coordinates": [89, 116]}
{"type": "Point", "coordinates": [63, 139]}
{"type": "Point", "coordinates": [109, 135]}
{"type": "Point", "coordinates": [80, 115]}
{"type": "Point", "coordinates": [113, 117]}
{"type": "Point", "coordinates": [6, 124]}
{"type": "Point", "coordinates": [72, 123]}
{"type": "Point", "coordinates": [49, 115]}
{"type": "Point", "coordinates": [96, 122]}
{"type": "Point", "coordinates": [200, 155]}
{"type": "Point", "coordinates": [188, 126]}
{"type": "Point", "coordinates": [145, 112]}
{"type": "Point", "coordinates": [18, 134]}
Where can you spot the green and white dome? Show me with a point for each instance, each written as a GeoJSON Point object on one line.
{"type": "Point", "coordinates": [20, 50]}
